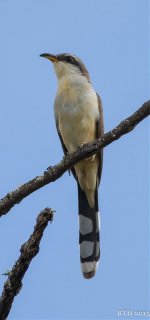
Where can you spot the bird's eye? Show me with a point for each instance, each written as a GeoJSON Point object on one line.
{"type": "Point", "coordinates": [69, 59]}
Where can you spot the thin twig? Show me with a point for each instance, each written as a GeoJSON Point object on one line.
{"type": "Point", "coordinates": [28, 251]}
{"type": "Point", "coordinates": [53, 173]}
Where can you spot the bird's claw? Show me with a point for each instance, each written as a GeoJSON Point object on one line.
{"type": "Point", "coordinates": [91, 158]}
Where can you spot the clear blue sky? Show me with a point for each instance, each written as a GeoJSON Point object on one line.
{"type": "Point", "coordinates": [111, 36]}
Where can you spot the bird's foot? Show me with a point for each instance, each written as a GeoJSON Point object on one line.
{"type": "Point", "coordinates": [91, 158]}
{"type": "Point", "coordinates": [83, 144]}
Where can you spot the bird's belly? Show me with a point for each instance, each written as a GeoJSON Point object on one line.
{"type": "Point", "coordinates": [76, 131]}
{"type": "Point", "coordinates": [77, 112]}
{"type": "Point", "coordinates": [77, 123]}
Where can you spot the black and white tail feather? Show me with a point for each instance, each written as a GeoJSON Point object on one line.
{"type": "Point", "coordinates": [89, 238]}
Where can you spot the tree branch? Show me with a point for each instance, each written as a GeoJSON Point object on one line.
{"type": "Point", "coordinates": [53, 173]}
{"type": "Point", "coordinates": [28, 251]}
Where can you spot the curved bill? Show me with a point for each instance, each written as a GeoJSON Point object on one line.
{"type": "Point", "coordinates": [49, 56]}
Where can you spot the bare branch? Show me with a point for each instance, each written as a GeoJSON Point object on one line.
{"type": "Point", "coordinates": [53, 173]}
{"type": "Point", "coordinates": [28, 251]}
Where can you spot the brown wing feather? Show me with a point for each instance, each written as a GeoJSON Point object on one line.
{"type": "Point", "coordinates": [60, 137]}
{"type": "Point", "coordinates": [63, 145]}
{"type": "Point", "coordinates": [99, 133]}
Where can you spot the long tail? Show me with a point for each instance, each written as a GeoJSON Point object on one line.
{"type": "Point", "coordinates": [89, 234]}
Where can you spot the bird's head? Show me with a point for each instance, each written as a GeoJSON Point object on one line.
{"type": "Point", "coordinates": [66, 64]}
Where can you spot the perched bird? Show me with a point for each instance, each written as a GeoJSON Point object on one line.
{"type": "Point", "coordinates": [79, 120]}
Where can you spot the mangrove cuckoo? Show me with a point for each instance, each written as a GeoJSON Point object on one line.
{"type": "Point", "coordinates": [79, 120]}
